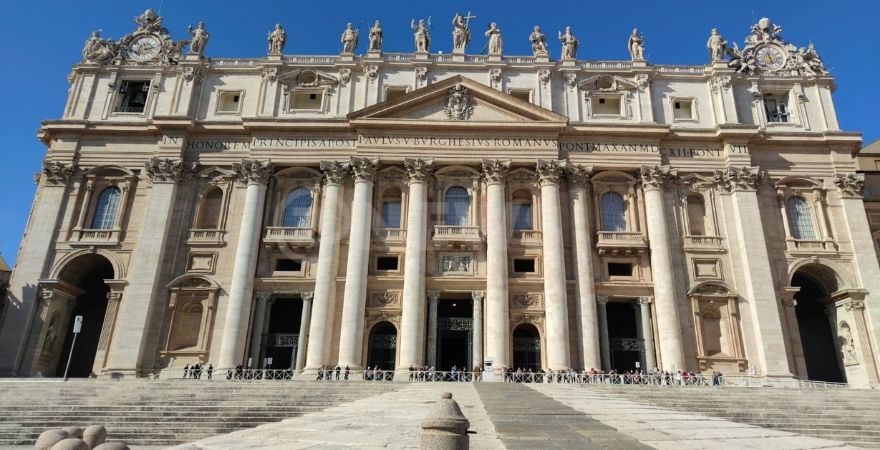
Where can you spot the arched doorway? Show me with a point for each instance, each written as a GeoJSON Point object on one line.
{"type": "Point", "coordinates": [526, 347]}
{"type": "Point", "coordinates": [282, 340]}
{"type": "Point", "coordinates": [87, 273]}
{"type": "Point", "coordinates": [817, 340]}
{"type": "Point", "coordinates": [382, 346]}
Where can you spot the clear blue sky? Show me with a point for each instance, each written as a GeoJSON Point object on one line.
{"type": "Point", "coordinates": [42, 39]}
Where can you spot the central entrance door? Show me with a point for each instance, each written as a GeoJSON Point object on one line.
{"type": "Point", "coordinates": [454, 333]}
{"type": "Point", "coordinates": [283, 337]}
{"type": "Point", "coordinates": [625, 343]}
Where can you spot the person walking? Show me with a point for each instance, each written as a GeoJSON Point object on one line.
{"type": "Point", "coordinates": [186, 371]}
{"type": "Point", "coordinates": [338, 369]}
{"type": "Point", "coordinates": [210, 370]}
{"type": "Point", "coordinates": [347, 370]}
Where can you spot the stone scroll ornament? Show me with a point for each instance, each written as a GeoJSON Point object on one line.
{"type": "Point", "coordinates": [765, 51]}
{"type": "Point", "coordinates": [335, 172]}
{"type": "Point", "coordinates": [495, 170]}
{"type": "Point", "coordinates": [459, 104]}
{"type": "Point", "coordinates": [655, 177]}
{"type": "Point", "coordinates": [739, 178]}
{"type": "Point", "coordinates": [850, 185]}
{"type": "Point", "coordinates": [252, 171]}
{"type": "Point", "coordinates": [548, 171]}
{"type": "Point", "coordinates": [418, 170]}
{"type": "Point", "coordinates": [364, 169]}
{"type": "Point", "coordinates": [57, 173]}
{"type": "Point", "coordinates": [162, 170]}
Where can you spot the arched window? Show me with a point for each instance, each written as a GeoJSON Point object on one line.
{"type": "Point", "coordinates": [799, 219]}
{"type": "Point", "coordinates": [106, 209]}
{"type": "Point", "coordinates": [209, 210]}
{"type": "Point", "coordinates": [297, 208]}
{"type": "Point", "coordinates": [391, 209]}
{"type": "Point", "coordinates": [521, 208]}
{"type": "Point", "coordinates": [457, 206]}
{"type": "Point", "coordinates": [696, 214]}
{"type": "Point", "coordinates": [613, 212]}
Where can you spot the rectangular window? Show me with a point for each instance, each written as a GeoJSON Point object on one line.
{"type": "Point", "coordinates": [522, 94]}
{"type": "Point", "coordinates": [229, 102]}
{"type": "Point", "coordinates": [133, 96]}
{"type": "Point", "coordinates": [620, 270]}
{"type": "Point", "coordinates": [387, 263]}
{"type": "Point", "coordinates": [606, 106]}
{"type": "Point", "coordinates": [391, 214]}
{"type": "Point", "coordinates": [393, 93]}
{"type": "Point", "coordinates": [307, 100]}
{"type": "Point", "coordinates": [776, 106]}
{"type": "Point", "coordinates": [682, 109]}
{"type": "Point", "coordinates": [522, 265]}
{"type": "Point", "coordinates": [288, 265]}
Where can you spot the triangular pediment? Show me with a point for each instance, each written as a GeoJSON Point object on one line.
{"type": "Point", "coordinates": [461, 101]}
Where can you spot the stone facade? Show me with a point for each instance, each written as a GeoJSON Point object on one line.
{"type": "Point", "coordinates": [300, 211]}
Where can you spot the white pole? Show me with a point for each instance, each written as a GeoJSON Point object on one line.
{"type": "Point", "coordinates": [70, 355]}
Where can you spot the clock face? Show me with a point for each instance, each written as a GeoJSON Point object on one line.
{"type": "Point", "coordinates": [770, 57]}
{"type": "Point", "coordinates": [144, 48]}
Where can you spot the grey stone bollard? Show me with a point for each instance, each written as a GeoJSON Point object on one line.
{"type": "Point", "coordinates": [94, 435]}
{"type": "Point", "coordinates": [49, 438]}
{"type": "Point", "coordinates": [445, 427]}
{"type": "Point", "coordinates": [71, 444]}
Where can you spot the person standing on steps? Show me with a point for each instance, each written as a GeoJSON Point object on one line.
{"type": "Point", "coordinates": [186, 371]}
{"type": "Point", "coordinates": [210, 370]}
{"type": "Point", "coordinates": [338, 369]}
{"type": "Point", "coordinates": [347, 370]}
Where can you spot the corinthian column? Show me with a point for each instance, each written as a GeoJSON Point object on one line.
{"type": "Point", "coordinates": [653, 179]}
{"type": "Point", "coordinates": [558, 354]}
{"type": "Point", "coordinates": [127, 348]}
{"type": "Point", "coordinates": [303, 341]}
{"type": "Point", "coordinates": [582, 243]}
{"type": "Point", "coordinates": [751, 248]}
{"type": "Point", "coordinates": [255, 175]}
{"type": "Point", "coordinates": [324, 301]}
{"type": "Point", "coordinates": [477, 297]}
{"type": "Point", "coordinates": [647, 332]}
{"type": "Point", "coordinates": [22, 319]}
{"type": "Point", "coordinates": [497, 296]}
{"type": "Point", "coordinates": [412, 332]}
{"type": "Point", "coordinates": [259, 323]}
{"type": "Point", "coordinates": [354, 299]}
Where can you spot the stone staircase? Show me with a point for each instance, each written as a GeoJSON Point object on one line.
{"type": "Point", "coordinates": [166, 412]}
{"type": "Point", "coordinates": [848, 415]}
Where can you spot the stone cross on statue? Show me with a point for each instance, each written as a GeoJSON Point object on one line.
{"type": "Point", "coordinates": [467, 19]}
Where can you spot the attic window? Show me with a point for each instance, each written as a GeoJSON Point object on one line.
{"type": "Point", "coordinates": [393, 93]}
{"type": "Point", "coordinates": [522, 94]}
{"type": "Point", "coordinates": [229, 102]}
{"type": "Point", "coordinates": [682, 109]}
{"type": "Point", "coordinates": [307, 100]}
{"type": "Point", "coordinates": [606, 105]}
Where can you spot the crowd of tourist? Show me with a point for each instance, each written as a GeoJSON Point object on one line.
{"type": "Point", "coordinates": [653, 377]}
{"type": "Point", "coordinates": [196, 371]}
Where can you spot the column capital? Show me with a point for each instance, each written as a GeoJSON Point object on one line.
{"type": "Point", "coordinates": [57, 173]}
{"type": "Point", "coordinates": [548, 171]}
{"type": "Point", "coordinates": [417, 169]}
{"type": "Point", "coordinates": [253, 171]}
{"type": "Point", "coordinates": [579, 174]}
{"type": "Point", "coordinates": [739, 178]}
{"type": "Point", "coordinates": [495, 170]}
{"type": "Point", "coordinates": [851, 185]}
{"type": "Point", "coordinates": [656, 177]}
{"type": "Point", "coordinates": [478, 296]}
{"type": "Point", "coordinates": [646, 300]}
{"type": "Point", "coordinates": [363, 170]}
{"type": "Point", "coordinates": [307, 296]}
{"type": "Point", "coordinates": [114, 296]}
{"type": "Point", "coordinates": [164, 170]}
{"type": "Point", "coordinates": [334, 171]}
{"type": "Point", "coordinates": [602, 299]}
{"type": "Point", "coordinates": [433, 295]}
{"type": "Point", "coordinates": [263, 296]}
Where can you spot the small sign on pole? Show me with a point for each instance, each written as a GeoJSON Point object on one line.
{"type": "Point", "coordinates": [77, 327]}
{"type": "Point", "coordinates": [638, 365]}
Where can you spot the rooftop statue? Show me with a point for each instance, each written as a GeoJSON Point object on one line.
{"type": "Point", "coordinates": [349, 39]}
{"type": "Point", "coordinates": [277, 38]}
{"type": "Point", "coordinates": [636, 45]}
{"type": "Point", "coordinates": [376, 38]}
{"type": "Point", "coordinates": [99, 51]}
{"type": "Point", "coordinates": [421, 35]}
{"type": "Point", "coordinates": [461, 32]}
{"type": "Point", "coordinates": [199, 39]}
{"type": "Point", "coordinates": [496, 42]}
{"type": "Point", "coordinates": [149, 21]}
{"type": "Point", "coordinates": [569, 44]}
{"type": "Point", "coordinates": [717, 46]}
{"type": "Point", "coordinates": [539, 42]}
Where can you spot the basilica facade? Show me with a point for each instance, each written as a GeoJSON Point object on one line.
{"type": "Point", "coordinates": [446, 209]}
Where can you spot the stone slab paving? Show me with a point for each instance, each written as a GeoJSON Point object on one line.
{"type": "Point", "coordinates": [663, 428]}
{"type": "Point", "coordinates": [527, 419]}
{"type": "Point", "coordinates": [389, 420]}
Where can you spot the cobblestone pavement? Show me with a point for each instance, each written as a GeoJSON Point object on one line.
{"type": "Point", "coordinates": [663, 428]}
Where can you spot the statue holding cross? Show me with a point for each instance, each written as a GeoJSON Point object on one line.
{"type": "Point", "coordinates": [461, 32]}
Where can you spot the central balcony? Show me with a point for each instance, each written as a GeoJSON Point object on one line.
{"type": "Point", "coordinates": [290, 237]}
{"type": "Point", "coordinates": [451, 236]}
{"type": "Point", "coordinates": [703, 244]}
{"type": "Point", "coordinates": [390, 235]}
{"type": "Point", "coordinates": [807, 247]}
{"type": "Point", "coordinates": [205, 237]}
{"type": "Point", "coordinates": [95, 237]}
{"type": "Point", "coordinates": [620, 242]}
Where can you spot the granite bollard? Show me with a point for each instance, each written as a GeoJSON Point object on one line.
{"type": "Point", "coordinates": [445, 427]}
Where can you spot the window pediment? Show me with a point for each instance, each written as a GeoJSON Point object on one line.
{"type": "Point", "coordinates": [606, 83]}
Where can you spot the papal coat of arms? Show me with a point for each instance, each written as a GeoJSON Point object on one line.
{"type": "Point", "coordinates": [460, 104]}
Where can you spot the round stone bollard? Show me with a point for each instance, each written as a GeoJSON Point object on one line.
{"type": "Point", "coordinates": [49, 438]}
{"type": "Point", "coordinates": [445, 427]}
{"type": "Point", "coordinates": [94, 435]}
{"type": "Point", "coordinates": [71, 444]}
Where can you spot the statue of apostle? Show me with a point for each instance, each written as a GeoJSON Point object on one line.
{"type": "Point", "coordinates": [421, 35]}
{"type": "Point", "coordinates": [539, 42]}
{"type": "Point", "coordinates": [461, 33]}
{"type": "Point", "coordinates": [349, 39]}
{"type": "Point", "coordinates": [199, 39]}
{"type": "Point", "coordinates": [569, 44]}
{"type": "Point", "coordinates": [496, 43]}
{"type": "Point", "coordinates": [636, 46]}
{"type": "Point", "coordinates": [277, 39]}
{"type": "Point", "coordinates": [376, 38]}
{"type": "Point", "coordinates": [717, 46]}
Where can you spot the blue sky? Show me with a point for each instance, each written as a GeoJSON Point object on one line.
{"type": "Point", "coordinates": [42, 39]}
